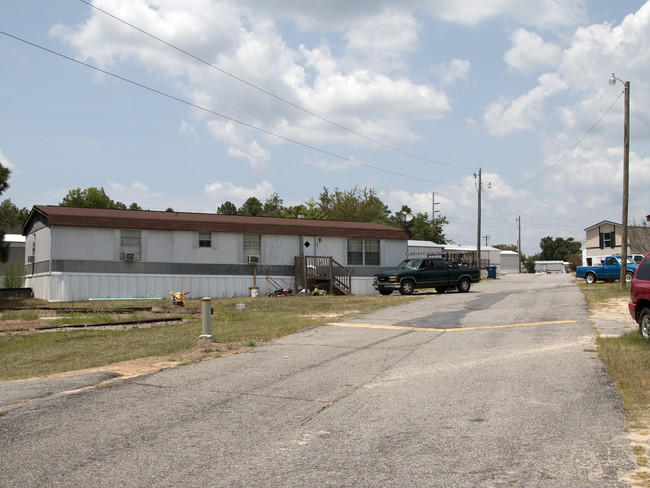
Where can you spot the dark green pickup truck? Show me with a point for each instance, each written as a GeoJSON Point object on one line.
{"type": "Point", "coordinates": [425, 273]}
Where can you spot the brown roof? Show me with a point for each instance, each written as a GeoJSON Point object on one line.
{"type": "Point", "coordinates": [146, 219]}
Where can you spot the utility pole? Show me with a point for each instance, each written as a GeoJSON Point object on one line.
{"type": "Point", "coordinates": [433, 206]}
{"type": "Point", "coordinates": [626, 182]}
{"type": "Point", "coordinates": [478, 230]}
{"type": "Point", "coordinates": [519, 242]}
{"type": "Point", "coordinates": [626, 177]}
{"type": "Point", "coordinates": [486, 237]}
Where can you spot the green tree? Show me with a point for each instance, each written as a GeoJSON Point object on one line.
{"type": "Point", "coordinates": [529, 262]}
{"type": "Point", "coordinates": [309, 210]}
{"type": "Point", "coordinates": [421, 228]}
{"type": "Point", "coordinates": [252, 207]}
{"type": "Point", "coordinates": [558, 249]}
{"type": "Point", "coordinates": [4, 184]}
{"type": "Point", "coordinates": [12, 218]}
{"type": "Point", "coordinates": [227, 208]}
{"type": "Point", "coordinates": [89, 198]}
{"type": "Point", "coordinates": [352, 205]}
{"type": "Point", "coordinates": [135, 206]}
{"type": "Point", "coordinates": [273, 206]}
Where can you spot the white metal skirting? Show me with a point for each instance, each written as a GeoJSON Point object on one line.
{"type": "Point", "coordinates": [57, 287]}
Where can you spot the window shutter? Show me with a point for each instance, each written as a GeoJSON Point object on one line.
{"type": "Point", "coordinates": [613, 235]}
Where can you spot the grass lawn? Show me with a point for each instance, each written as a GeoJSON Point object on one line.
{"type": "Point", "coordinates": [32, 354]}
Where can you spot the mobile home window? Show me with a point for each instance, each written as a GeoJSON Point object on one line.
{"type": "Point", "coordinates": [130, 244]}
{"type": "Point", "coordinates": [252, 245]}
{"type": "Point", "coordinates": [363, 252]}
{"type": "Point", "coordinates": [205, 239]}
{"type": "Point", "coordinates": [355, 252]}
{"type": "Point", "coordinates": [371, 249]}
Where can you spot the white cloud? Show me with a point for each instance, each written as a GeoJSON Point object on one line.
{"type": "Point", "coordinates": [135, 192]}
{"type": "Point", "coordinates": [4, 161]}
{"type": "Point", "coordinates": [253, 153]}
{"type": "Point", "coordinates": [382, 39]}
{"type": "Point", "coordinates": [531, 53]}
{"type": "Point", "coordinates": [248, 44]}
{"type": "Point", "coordinates": [186, 128]}
{"type": "Point", "coordinates": [454, 70]}
{"type": "Point", "coordinates": [327, 164]}
{"type": "Point", "coordinates": [333, 16]}
{"type": "Point", "coordinates": [221, 192]}
{"type": "Point", "coordinates": [524, 112]}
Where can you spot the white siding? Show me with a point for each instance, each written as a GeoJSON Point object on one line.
{"type": "Point", "coordinates": [82, 243]}
{"type": "Point", "coordinates": [393, 252]}
{"type": "Point", "coordinates": [43, 239]}
{"type": "Point", "coordinates": [279, 249]}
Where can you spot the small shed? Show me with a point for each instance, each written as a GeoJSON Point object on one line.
{"type": "Point", "coordinates": [509, 262]}
{"type": "Point", "coordinates": [551, 267]}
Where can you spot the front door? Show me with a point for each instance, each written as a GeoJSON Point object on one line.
{"type": "Point", "coordinates": [309, 246]}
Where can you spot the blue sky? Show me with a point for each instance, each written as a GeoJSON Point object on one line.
{"type": "Point", "coordinates": [514, 88]}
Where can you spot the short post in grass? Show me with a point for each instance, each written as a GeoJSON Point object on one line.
{"type": "Point", "coordinates": [206, 310]}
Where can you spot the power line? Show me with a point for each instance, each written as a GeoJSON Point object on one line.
{"type": "Point", "coordinates": [567, 153]}
{"type": "Point", "coordinates": [204, 109]}
{"type": "Point", "coordinates": [277, 97]}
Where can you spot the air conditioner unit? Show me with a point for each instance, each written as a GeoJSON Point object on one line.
{"type": "Point", "coordinates": [31, 259]}
{"type": "Point", "coordinates": [253, 259]}
{"type": "Point", "coordinates": [129, 256]}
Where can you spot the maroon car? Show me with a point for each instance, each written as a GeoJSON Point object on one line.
{"type": "Point", "coordinates": [639, 305]}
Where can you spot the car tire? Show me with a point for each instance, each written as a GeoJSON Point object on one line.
{"type": "Point", "coordinates": [644, 323]}
{"type": "Point", "coordinates": [464, 285]}
{"type": "Point", "coordinates": [407, 287]}
{"type": "Point", "coordinates": [385, 291]}
{"type": "Point", "coordinates": [441, 289]}
{"type": "Point", "coordinates": [590, 278]}
{"type": "Point", "coordinates": [628, 277]}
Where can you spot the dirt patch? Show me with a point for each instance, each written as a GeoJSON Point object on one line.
{"type": "Point", "coordinates": [614, 308]}
{"type": "Point", "coordinates": [141, 366]}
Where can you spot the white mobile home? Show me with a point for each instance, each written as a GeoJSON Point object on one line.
{"type": "Point", "coordinates": [82, 253]}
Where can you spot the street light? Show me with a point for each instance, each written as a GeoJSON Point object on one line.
{"type": "Point", "coordinates": [626, 176]}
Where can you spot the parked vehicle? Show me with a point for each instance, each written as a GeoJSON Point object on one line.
{"type": "Point", "coordinates": [637, 258]}
{"type": "Point", "coordinates": [412, 274]}
{"type": "Point", "coordinates": [610, 270]}
{"type": "Point", "coordinates": [639, 304]}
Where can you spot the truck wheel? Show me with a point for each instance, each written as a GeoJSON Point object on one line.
{"type": "Point", "coordinates": [463, 285]}
{"type": "Point", "coordinates": [590, 278]}
{"type": "Point", "coordinates": [441, 289]}
{"type": "Point", "coordinates": [407, 287]}
{"type": "Point", "coordinates": [628, 277]}
{"type": "Point", "coordinates": [644, 323]}
{"type": "Point", "coordinates": [385, 291]}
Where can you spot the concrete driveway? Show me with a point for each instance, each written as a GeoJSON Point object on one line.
{"type": "Point", "coordinates": [497, 387]}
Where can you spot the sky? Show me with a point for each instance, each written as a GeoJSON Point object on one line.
{"type": "Point", "coordinates": [191, 103]}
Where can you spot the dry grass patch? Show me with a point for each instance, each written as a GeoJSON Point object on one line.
{"type": "Point", "coordinates": [234, 328]}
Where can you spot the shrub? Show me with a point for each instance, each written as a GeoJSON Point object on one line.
{"type": "Point", "coordinates": [12, 276]}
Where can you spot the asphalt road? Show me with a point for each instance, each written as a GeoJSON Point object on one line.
{"type": "Point", "coordinates": [497, 387]}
